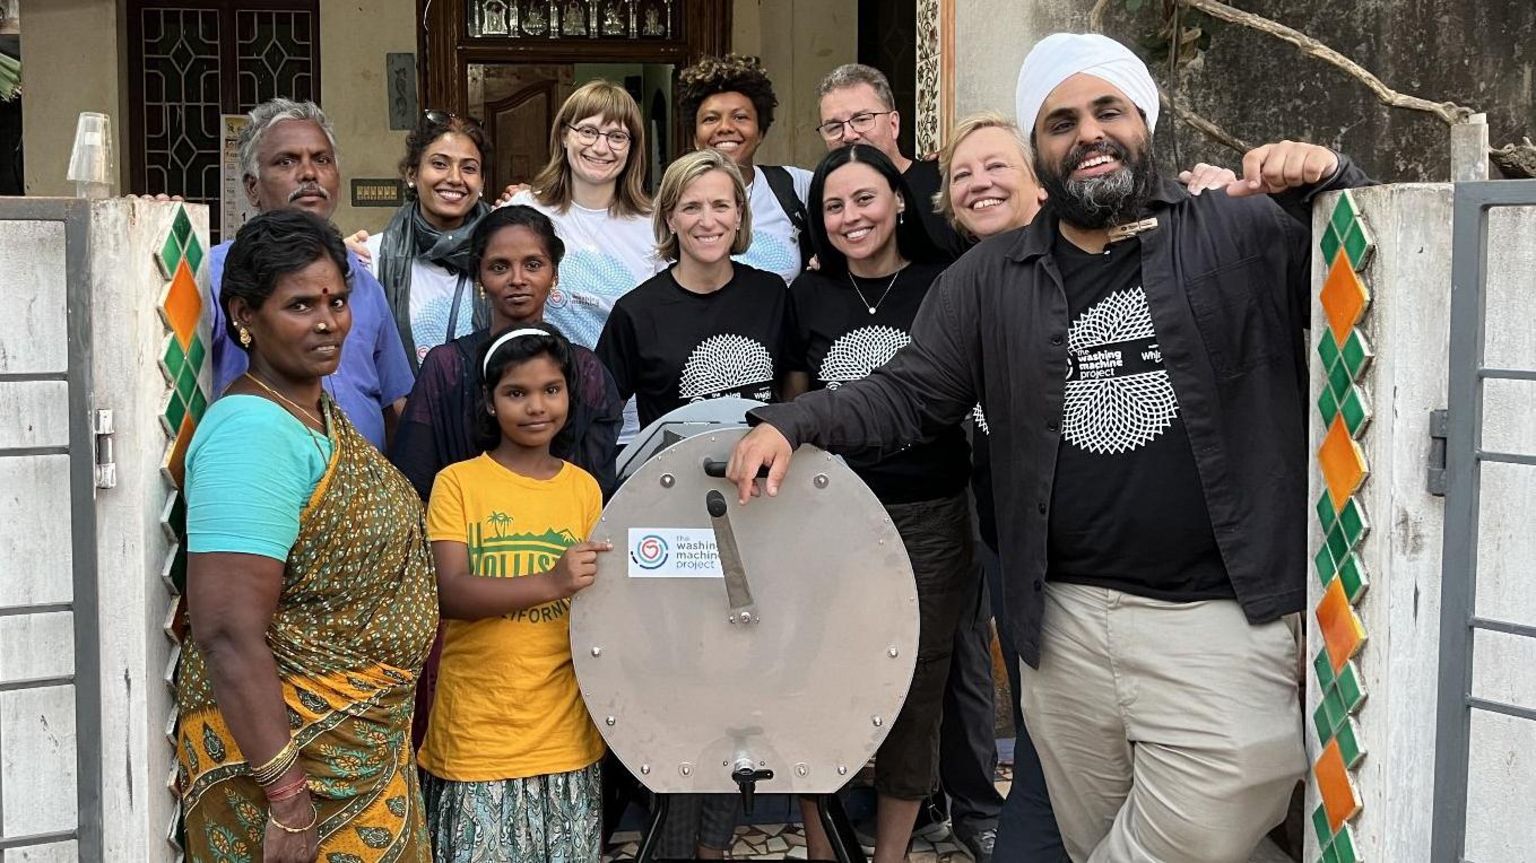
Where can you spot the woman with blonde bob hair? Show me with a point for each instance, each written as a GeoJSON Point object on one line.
{"type": "Point", "coordinates": [986, 183]}
{"type": "Point", "coordinates": [707, 326]}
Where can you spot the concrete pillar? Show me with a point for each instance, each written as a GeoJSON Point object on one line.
{"type": "Point", "coordinates": [147, 307]}
{"type": "Point", "coordinates": [1379, 367]}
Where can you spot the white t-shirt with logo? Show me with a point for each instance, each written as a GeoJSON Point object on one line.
{"type": "Point", "coordinates": [606, 256]}
{"type": "Point", "coordinates": [432, 293]}
{"type": "Point", "coordinates": [775, 241]}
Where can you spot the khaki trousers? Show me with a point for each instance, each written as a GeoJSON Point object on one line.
{"type": "Point", "coordinates": [1169, 732]}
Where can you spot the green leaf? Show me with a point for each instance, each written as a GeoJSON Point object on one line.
{"type": "Point", "coordinates": [1134, 5]}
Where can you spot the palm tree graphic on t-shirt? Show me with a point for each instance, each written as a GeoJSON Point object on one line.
{"type": "Point", "coordinates": [499, 522]}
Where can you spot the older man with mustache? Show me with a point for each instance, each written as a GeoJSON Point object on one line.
{"type": "Point", "coordinates": [288, 159]}
{"type": "Point", "coordinates": [1140, 357]}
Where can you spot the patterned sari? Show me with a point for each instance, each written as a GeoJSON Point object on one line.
{"type": "Point", "coordinates": [355, 618]}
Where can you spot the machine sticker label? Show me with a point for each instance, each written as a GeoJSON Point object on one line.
{"type": "Point", "coordinates": [673, 552]}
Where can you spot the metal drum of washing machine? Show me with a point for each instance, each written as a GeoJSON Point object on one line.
{"type": "Point", "coordinates": [794, 667]}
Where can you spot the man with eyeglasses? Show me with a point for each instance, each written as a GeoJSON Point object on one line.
{"type": "Point", "coordinates": [857, 106]}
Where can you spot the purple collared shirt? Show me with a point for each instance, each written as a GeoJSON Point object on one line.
{"type": "Point", "coordinates": [374, 371]}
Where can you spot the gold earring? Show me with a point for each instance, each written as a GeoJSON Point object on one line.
{"type": "Point", "coordinates": [245, 337]}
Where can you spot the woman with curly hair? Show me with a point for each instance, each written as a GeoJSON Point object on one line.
{"type": "Point", "coordinates": [731, 101]}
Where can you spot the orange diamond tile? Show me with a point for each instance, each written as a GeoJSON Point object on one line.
{"type": "Point", "coordinates": [182, 305]}
{"type": "Point", "coordinates": [175, 465]}
{"type": "Point", "coordinates": [1344, 298]}
{"type": "Point", "coordinates": [1340, 801]}
{"type": "Point", "coordinates": [1342, 462]}
{"type": "Point", "coordinates": [1343, 633]}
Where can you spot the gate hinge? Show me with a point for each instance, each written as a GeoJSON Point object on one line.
{"type": "Point", "coordinates": [1434, 480]}
{"type": "Point", "coordinates": [101, 429]}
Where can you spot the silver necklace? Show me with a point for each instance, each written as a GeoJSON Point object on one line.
{"type": "Point", "coordinates": [875, 307]}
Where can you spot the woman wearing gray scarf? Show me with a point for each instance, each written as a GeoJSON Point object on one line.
{"type": "Point", "coordinates": [422, 258]}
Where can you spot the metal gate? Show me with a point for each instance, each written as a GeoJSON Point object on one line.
{"type": "Point", "coordinates": [1468, 454]}
{"type": "Point", "coordinates": [50, 688]}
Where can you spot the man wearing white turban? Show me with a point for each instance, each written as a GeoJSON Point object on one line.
{"type": "Point", "coordinates": [1139, 352]}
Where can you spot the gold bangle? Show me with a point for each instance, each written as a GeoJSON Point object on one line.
{"type": "Point", "coordinates": [314, 818]}
{"type": "Point", "coordinates": [279, 764]}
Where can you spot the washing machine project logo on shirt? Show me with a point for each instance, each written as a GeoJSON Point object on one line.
{"type": "Point", "coordinates": [725, 363]}
{"type": "Point", "coordinates": [858, 352]}
{"type": "Point", "coordinates": [1118, 396]}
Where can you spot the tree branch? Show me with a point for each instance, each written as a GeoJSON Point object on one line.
{"type": "Point", "coordinates": [1211, 130]}
{"type": "Point", "coordinates": [1096, 16]}
{"type": "Point", "coordinates": [1450, 112]}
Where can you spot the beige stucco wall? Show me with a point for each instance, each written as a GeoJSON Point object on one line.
{"type": "Point", "coordinates": [1002, 31]}
{"type": "Point", "coordinates": [799, 42]}
{"type": "Point", "coordinates": [70, 64]}
{"type": "Point", "coordinates": [354, 37]}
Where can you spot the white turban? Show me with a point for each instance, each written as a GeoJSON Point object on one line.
{"type": "Point", "coordinates": [1059, 56]}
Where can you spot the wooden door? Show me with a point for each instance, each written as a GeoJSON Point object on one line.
{"type": "Point", "coordinates": [517, 103]}
{"type": "Point", "coordinates": [462, 40]}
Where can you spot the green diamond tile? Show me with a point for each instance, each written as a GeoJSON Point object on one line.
{"type": "Point", "coordinates": [1327, 349]}
{"type": "Point", "coordinates": [1320, 827]}
{"type": "Point", "coordinates": [186, 382]}
{"type": "Point", "coordinates": [181, 226]}
{"type": "Point", "coordinates": [1322, 666]}
{"type": "Point", "coordinates": [1329, 855]}
{"type": "Point", "coordinates": [170, 255]}
{"type": "Point", "coordinates": [1344, 847]}
{"type": "Point", "coordinates": [1327, 405]}
{"type": "Point", "coordinates": [1351, 695]}
{"type": "Point", "coordinates": [174, 359]}
{"type": "Point", "coordinates": [175, 412]}
{"type": "Point", "coordinates": [178, 571]}
{"type": "Point", "coordinates": [1325, 514]}
{"type": "Point", "coordinates": [1354, 408]}
{"type": "Point", "coordinates": [1343, 214]}
{"type": "Point", "coordinates": [1324, 562]}
{"type": "Point", "coordinates": [1352, 571]}
{"type": "Point", "coordinates": [1349, 744]}
{"type": "Point", "coordinates": [1353, 521]}
{"type": "Point", "coordinates": [194, 253]}
{"type": "Point", "coordinates": [1333, 707]}
{"type": "Point", "coordinates": [1357, 353]}
{"type": "Point", "coordinates": [1323, 724]}
{"type": "Point", "coordinates": [198, 405]}
{"type": "Point", "coordinates": [1357, 244]}
{"type": "Point", "coordinates": [1329, 244]}
{"type": "Point", "coordinates": [1338, 545]}
{"type": "Point", "coordinates": [196, 352]}
{"type": "Point", "coordinates": [1338, 380]}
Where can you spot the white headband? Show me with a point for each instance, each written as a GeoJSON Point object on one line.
{"type": "Point", "coordinates": [526, 331]}
{"type": "Point", "coordinates": [1059, 56]}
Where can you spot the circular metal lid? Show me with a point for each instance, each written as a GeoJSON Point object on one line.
{"type": "Point", "coordinates": [798, 668]}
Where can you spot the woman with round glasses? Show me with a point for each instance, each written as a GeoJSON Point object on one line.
{"type": "Point", "coordinates": [421, 259]}
{"type": "Point", "coordinates": [593, 189]}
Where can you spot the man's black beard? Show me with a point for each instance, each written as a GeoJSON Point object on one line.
{"type": "Point", "coordinates": [1100, 202]}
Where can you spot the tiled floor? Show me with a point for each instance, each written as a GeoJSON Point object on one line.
{"type": "Point", "coordinates": [787, 842]}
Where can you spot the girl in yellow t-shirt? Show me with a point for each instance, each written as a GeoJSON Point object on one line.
{"type": "Point", "coordinates": [511, 756]}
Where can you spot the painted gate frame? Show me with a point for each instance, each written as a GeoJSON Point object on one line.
{"type": "Point", "coordinates": [86, 679]}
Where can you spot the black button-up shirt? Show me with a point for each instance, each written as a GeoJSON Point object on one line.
{"type": "Point", "coordinates": [1228, 287]}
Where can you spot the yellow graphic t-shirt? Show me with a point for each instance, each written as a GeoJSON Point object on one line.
{"type": "Point", "coordinates": [507, 704]}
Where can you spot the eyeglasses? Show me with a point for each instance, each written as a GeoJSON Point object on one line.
{"type": "Point", "coordinates": [443, 118]}
{"type": "Point", "coordinates": [588, 136]}
{"type": "Point", "coordinates": [860, 122]}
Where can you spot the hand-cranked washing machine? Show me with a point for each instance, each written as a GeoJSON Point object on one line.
{"type": "Point", "coordinates": [723, 648]}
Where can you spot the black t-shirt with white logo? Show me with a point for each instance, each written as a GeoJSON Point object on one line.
{"type": "Point", "coordinates": [835, 339]}
{"type": "Point", "coordinates": [668, 346]}
{"type": "Point", "coordinates": [1127, 509]}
